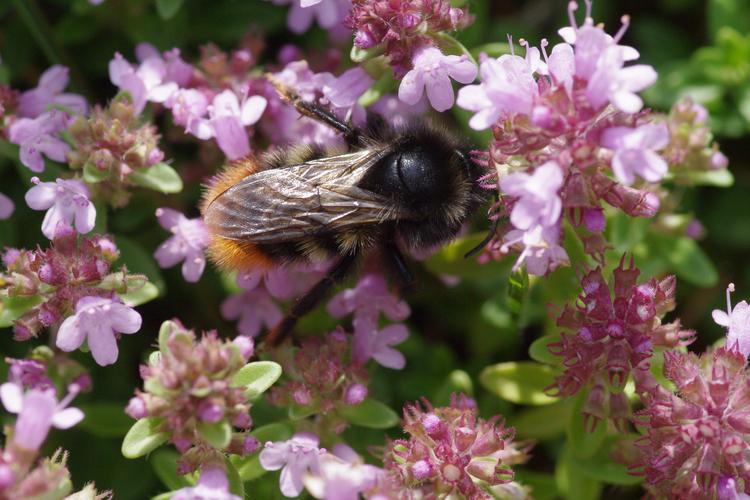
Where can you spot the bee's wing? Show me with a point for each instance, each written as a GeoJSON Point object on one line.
{"type": "Point", "coordinates": [286, 204]}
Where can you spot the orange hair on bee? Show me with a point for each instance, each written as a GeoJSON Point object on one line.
{"type": "Point", "coordinates": [231, 254]}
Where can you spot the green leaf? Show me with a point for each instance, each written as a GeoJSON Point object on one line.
{"type": "Point", "coordinates": [236, 484]}
{"type": "Point", "coordinates": [257, 377]}
{"type": "Point", "coordinates": [371, 414]}
{"type": "Point", "coordinates": [687, 259]}
{"type": "Point", "coordinates": [105, 419]}
{"type": "Point", "coordinates": [539, 350]}
{"type": "Point", "coordinates": [164, 463]}
{"type": "Point", "coordinates": [160, 177]}
{"type": "Point", "coordinates": [168, 8]}
{"type": "Point", "coordinates": [93, 175]}
{"type": "Point", "coordinates": [451, 260]}
{"type": "Point", "coordinates": [12, 308]}
{"type": "Point", "coordinates": [518, 285]}
{"type": "Point", "coordinates": [542, 422]}
{"type": "Point", "coordinates": [584, 443]}
{"type": "Point", "coordinates": [146, 293]}
{"type": "Point", "coordinates": [144, 436]}
{"type": "Point", "coordinates": [382, 86]}
{"type": "Point", "coordinates": [717, 178]}
{"type": "Point", "coordinates": [626, 232]}
{"type": "Point", "coordinates": [603, 468]}
{"type": "Point", "coordinates": [165, 331]}
{"type": "Point", "coordinates": [296, 412]}
{"type": "Point", "coordinates": [520, 382]}
{"type": "Point", "coordinates": [571, 480]}
{"type": "Point", "coordinates": [734, 13]}
{"type": "Point", "coordinates": [544, 486]}
{"type": "Point", "coordinates": [218, 434]}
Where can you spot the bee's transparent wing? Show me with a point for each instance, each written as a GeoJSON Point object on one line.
{"type": "Point", "coordinates": [287, 204]}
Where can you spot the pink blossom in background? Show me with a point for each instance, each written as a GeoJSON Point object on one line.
{"type": "Point", "coordinates": [635, 151]}
{"type": "Point", "coordinates": [342, 476]}
{"type": "Point", "coordinates": [371, 343]}
{"type": "Point", "coordinates": [282, 282]}
{"type": "Point", "coordinates": [37, 410]}
{"type": "Point", "coordinates": [40, 135]}
{"type": "Point", "coordinates": [432, 72]}
{"type": "Point", "coordinates": [295, 457]}
{"type": "Point", "coordinates": [538, 200]}
{"type": "Point", "coordinates": [212, 485]}
{"type": "Point", "coordinates": [327, 13]}
{"type": "Point", "coordinates": [97, 320]}
{"type": "Point", "coordinates": [49, 92]}
{"type": "Point", "coordinates": [187, 105]}
{"type": "Point", "coordinates": [507, 86]}
{"type": "Point", "coordinates": [187, 244]}
{"type": "Point", "coordinates": [227, 121]}
{"type": "Point", "coordinates": [6, 207]}
{"type": "Point", "coordinates": [540, 249]}
{"type": "Point", "coordinates": [155, 79]}
{"type": "Point", "coordinates": [397, 112]}
{"type": "Point", "coordinates": [369, 298]}
{"type": "Point", "coordinates": [254, 309]}
{"type": "Point", "coordinates": [67, 203]}
{"type": "Point", "coordinates": [737, 322]}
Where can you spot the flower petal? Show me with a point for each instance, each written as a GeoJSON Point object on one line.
{"type": "Point", "coordinates": [12, 397]}
{"type": "Point", "coordinates": [70, 336]}
{"type": "Point", "coordinates": [67, 418]}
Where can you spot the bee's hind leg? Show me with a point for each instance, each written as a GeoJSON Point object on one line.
{"type": "Point", "coordinates": [399, 265]}
{"type": "Point", "coordinates": [311, 299]}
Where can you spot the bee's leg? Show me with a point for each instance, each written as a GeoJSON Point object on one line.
{"type": "Point", "coordinates": [352, 135]}
{"type": "Point", "coordinates": [312, 298]}
{"type": "Point", "coordinates": [399, 265]}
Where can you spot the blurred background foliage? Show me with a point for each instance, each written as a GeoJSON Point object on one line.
{"type": "Point", "coordinates": [701, 48]}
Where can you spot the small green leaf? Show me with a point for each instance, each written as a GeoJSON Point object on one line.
{"type": "Point", "coordinates": [218, 434]}
{"type": "Point", "coordinates": [276, 431]}
{"type": "Point", "coordinates": [93, 175]}
{"type": "Point", "coordinates": [584, 443]}
{"type": "Point", "coordinates": [296, 412]}
{"type": "Point", "coordinates": [359, 56]}
{"type": "Point", "coordinates": [543, 486]}
{"type": "Point", "coordinates": [138, 260]}
{"type": "Point", "coordinates": [370, 413]}
{"type": "Point", "coordinates": [105, 419]}
{"type": "Point", "coordinates": [160, 177]}
{"type": "Point", "coordinates": [520, 382]}
{"type": "Point", "coordinates": [717, 178]}
{"type": "Point", "coordinates": [603, 468]}
{"type": "Point", "coordinates": [144, 436]}
{"type": "Point", "coordinates": [236, 484]}
{"type": "Point", "coordinates": [146, 293]}
{"type": "Point", "coordinates": [571, 480]}
{"type": "Point", "coordinates": [165, 331]}
{"type": "Point", "coordinates": [542, 422]}
{"type": "Point", "coordinates": [164, 463]}
{"type": "Point", "coordinates": [12, 308]}
{"type": "Point", "coordinates": [687, 259]}
{"type": "Point", "coordinates": [518, 285]}
{"type": "Point", "coordinates": [168, 8]}
{"type": "Point", "coordinates": [257, 377]}
{"type": "Point", "coordinates": [539, 350]}
{"type": "Point", "coordinates": [451, 259]}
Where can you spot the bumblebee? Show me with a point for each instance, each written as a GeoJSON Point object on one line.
{"type": "Point", "coordinates": [394, 188]}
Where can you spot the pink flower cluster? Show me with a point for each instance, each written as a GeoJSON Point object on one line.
{"type": "Point", "coordinates": [564, 123]}
{"type": "Point", "coordinates": [366, 302]}
{"type": "Point", "coordinates": [188, 390]}
{"type": "Point", "coordinates": [72, 279]}
{"type": "Point", "coordinates": [614, 329]}
{"type": "Point", "coordinates": [696, 441]}
{"type": "Point", "coordinates": [321, 377]}
{"type": "Point", "coordinates": [452, 452]}
{"type": "Point", "coordinates": [187, 244]}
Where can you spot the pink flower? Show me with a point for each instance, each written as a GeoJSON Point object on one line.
{"type": "Point", "coordinates": [253, 308]}
{"type": "Point", "coordinates": [295, 458]}
{"type": "Point", "coordinates": [49, 91]}
{"type": "Point", "coordinates": [342, 476]}
{"type": "Point", "coordinates": [212, 485]}
{"type": "Point", "coordinates": [369, 342]}
{"type": "Point", "coordinates": [507, 86]}
{"type": "Point", "coordinates": [540, 249]}
{"type": "Point", "coordinates": [635, 151]}
{"type": "Point", "coordinates": [40, 135]}
{"type": "Point", "coordinates": [6, 207]}
{"type": "Point", "coordinates": [67, 203]}
{"type": "Point", "coordinates": [189, 241]}
{"type": "Point", "coordinates": [327, 13]}
{"type": "Point", "coordinates": [737, 323]}
{"type": "Point", "coordinates": [397, 112]}
{"type": "Point", "coordinates": [155, 79]}
{"type": "Point", "coordinates": [283, 282]}
{"type": "Point", "coordinates": [369, 298]}
{"type": "Point", "coordinates": [97, 320]}
{"type": "Point", "coordinates": [38, 410]}
{"type": "Point", "coordinates": [696, 440]}
{"type": "Point", "coordinates": [227, 122]}
{"type": "Point", "coordinates": [432, 71]}
{"type": "Point", "coordinates": [187, 105]}
{"type": "Point", "coordinates": [538, 198]}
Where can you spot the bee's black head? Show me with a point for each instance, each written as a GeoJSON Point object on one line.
{"type": "Point", "coordinates": [429, 174]}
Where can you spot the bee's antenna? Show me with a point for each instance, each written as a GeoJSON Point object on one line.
{"type": "Point", "coordinates": [490, 234]}
{"type": "Point", "coordinates": [352, 135]}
